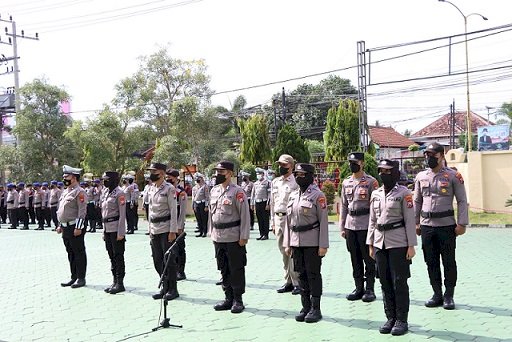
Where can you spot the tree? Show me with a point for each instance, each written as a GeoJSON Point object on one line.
{"type": "Point", "coordinates": [407, 133]}
{"type": "Point", "coordinates": [289, 142]}
{"type": "Point", "coordinates": [506, 109]}
{"type": "Point", "coordinates": [10, 159]}
{"type": "Point", "coordinates": [255, 146]}
{"type": "Point", "coordinates": [329, 191]}
{"type": "Point", "coordinates": [463, 144]}
{"type": "Point", "coordinates": [414, 148]}
{"type": "Point", "coordinates": [315, 146]}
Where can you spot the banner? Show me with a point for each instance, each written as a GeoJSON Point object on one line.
{"type": "Point", "coordinates": [494, 138]}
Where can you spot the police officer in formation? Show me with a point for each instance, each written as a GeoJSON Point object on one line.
{"type": "Point", "coordinates": [163, 228]}
{"type": "Point", "coordinates": [113, 207]}
{"type": "Point", "coordinates": [3, 204]}
{"type": "Point", "coordinates": [31, 211]}
{"type": "Point", "coordinates": [97, 202]}
{"type": "Point", "coordinates": [55, 193]}
{"type": "Point", "coordinates": [181, 196]}
{"type": "Point", "coordinates": [391, 237]}
{"type": "Point", "coordinates": [200, 200]}
{"type": "Point", "coordinates": [46, 209]}
{"type": "Point", "coordinates": [282, 187]}
{"type": "Point", "coordinates": [355, 210]}
{"type": "Point", "coordinates": [434, 191]}
{"type": "Point", "coordinates": [23, 205]}
{"type": "Point", "coordinates": [248, 185]}
{"type": "Point", "coordinates": [131, 198]}
{"type": "Point", "coordinates": [39, 203]}
{"type": "Point", "coordinates": [229, 228]}
{"type": "Point", "coordinates": [12, 205]}
{"type": "Point", "coordinates": [71, 215]}
{"type": "Point", "coordinates": [306, 239]}
{"type": "Point", "coordinates": [260, 201]}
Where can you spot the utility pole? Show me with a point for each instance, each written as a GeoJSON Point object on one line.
{"type": "Point", "coordinates": [283, 100]}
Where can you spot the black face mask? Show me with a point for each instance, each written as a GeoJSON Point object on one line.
{"type": "Point", "coordinates": [304, 182]}
{"type": "Point", "coordinates": [154, 177]}
{"type": "Point", "coordinates": [388, 180]}
{"type": "Point", "coordinates": [219, 179]}
{"type": "Point", "coordinates": [432, 162]}
{"type": "Point", "coordinates": [283, 170]}
{"type": "Point", "coordinates": [246, 179]}
{"type": "Point", "coordinates": [67, 182]}
{"type": "Point", "coordinates": [354, 168]}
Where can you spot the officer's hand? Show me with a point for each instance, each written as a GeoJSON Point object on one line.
{"type": "Point", "coordinates": [418, 230]}
{"type": "Point", "coordinates": [58, 230]}
{"type": "Point", "coordinates": [322, 251]}
{"type": "Point", "coordinates": [411, 252]}
{"type": "Point", "coordinates": [252, 207]}
{"type": "Point", "coordinates": [180, 231]}
{"type": "Point", "coordinates": [206, 208]}
{"type": "Point", "coordinates": [242, 242]}
{"type": "Point", "coordinates": [267, 207]}
{"type": "Point", "coordinates": [274, 230]}
{"type": "Point", "coordinates": [343, 234]}
{"type": "Point", "coordinates": [120, 237]}
{"type": "Point", "coordinates": [77, 232]}
{"type": "Point", "coordinates": [460, 230]}
{"type": "Point", "coordinates": [171, 237]}
{"type": "Point", "coordinates": [288, 251]}
{"type": "Point", "coordinates": [371, 251]}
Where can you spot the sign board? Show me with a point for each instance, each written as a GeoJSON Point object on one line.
{"type": "Point", "coordinates": [494, 138]}
{"type": "Point", "coordinates": [6, 101]}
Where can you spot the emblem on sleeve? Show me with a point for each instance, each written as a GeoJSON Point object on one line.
{"type": "Point", "coordinates": [408, 199]}
{"type": "Point", "coordinates": [375, 184]}
{"type": "Point", "coordinates": [240, 197]}
{"type": "Point", "coordinates": [459, 177]}
{"type": "Point", "coordinates": [322, 202]}
{"type": "Point", "coordinates": [122, 200]}
{"type": "Point", "coordinates": [81, 197]}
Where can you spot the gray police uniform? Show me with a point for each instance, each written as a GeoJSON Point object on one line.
{"type": "Point", "coordinates": [200, 198]}
{"type": "Point", "coordinates": [248, 186]}
{"type": "Point", "coordinates": [23, 206]}
{"type": "Point", "coordinates": [391, 231]}
{"type": "Point", "coordinates": [54, 204]}
{"type": "Point", "coordinates": [260, 199]}
{"type": "Point", "coordinates": [181, 254]}
{"type": "Point", "coordinates": [12, 208]}
{"type": "Point", "coordinates": [38, 207]}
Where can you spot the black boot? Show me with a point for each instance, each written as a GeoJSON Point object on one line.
{"type": "Point", "coordinates": [107, 290]}
{"type": "Point", "coordinates": [437, 298]}
{"type": "Point", "coordinates": [388, 326]}
{"type": "Point", "coordinates": [314, 314]}
{"type": "Point", "coordinates": [306, 306]}
{"type": "Point", "coordinates": [400, 328]}
{"type": "Point", "coordinates": [159, 295]}
{"type": "Point", "coordinates": [180, 275]}
{"type": "Point", "coordinates": [118, 286]}
{"type": "Point", "coordinates": [448, 303]}
{"type": "Point", "coordinates": [369, 294]}
{"type": "Point", "coordinates": [172, 291]}
{"type": "Point", "coordinates": [358, 291]}
{"type": "Point", "coordinates": [389, 310]}
{"type": "Point", "coordinates": [227, 303]}
{"type": "Point", "coordinates": [238, 304]}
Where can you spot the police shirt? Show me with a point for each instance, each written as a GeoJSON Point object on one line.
{"type": "Point", "coordinates": [396, 206]}
{"type": "Point", "coordinates": [23, 199]}
{"type": "Point", "coordinates": [248, 186]}
{"type": "Point", "coordinates": [355, 195]}
{"type": "Point", "coordinates": [200, 194]}
{"type": "Point", "coordinates": [72, 206]}
{"type": "Point", "coordinates": [113, 204]}
{"type": "Point", "coordinates": [281, 188]}
{"type": "Point", "coordinates": [12, 199]}
{"type": "Point", "coordinates": [228, 205]}
{"type": "Point", "coordinates": [181, 195]}
{"type": "Point", "coordinates": [434, 192]}
{"type": "Point", "coordinates": [260, 191]}
{"type": "Point", "coordinates": [305, 209]}
{"type": "Point", "coordinates": [38, 198]}
{"type": "Point", "coordinates": [54, 197]}
{"type": "Point", "coordinates": [162, 203]}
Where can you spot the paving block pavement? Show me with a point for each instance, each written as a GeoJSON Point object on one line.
{"type": "Point", "coordinates": [35, 308]}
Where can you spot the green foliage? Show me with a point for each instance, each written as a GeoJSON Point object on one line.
{"type": "Point", "coordinates": [508, 203]}
{"type": "Point", "coordinates": [462, 142]}
{"type": "Point", "coordinates": [249, 168]}
{"type": "Point", "coordinates": [329, 191]}
{"type": "Point", "coordinates": [315, 146]}
{"type": "Point", "coordinates": [255, 146]}
{"type": "Point", "coordinates": [289, 142]}
{"type": "Point", "coordinates": [10, 159]}
{"type": "Point", "coordinates": [372, 150]}
{"type": "Point", "coordinates": [370, 167]}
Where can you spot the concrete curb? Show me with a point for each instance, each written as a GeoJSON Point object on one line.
{"type": "Point", "coordinates": [486, 225]}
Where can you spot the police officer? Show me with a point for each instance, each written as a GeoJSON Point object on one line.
{"type": "Point", "coordinates": [281, 189]}
{"type": "Point", "coordinates": [355, 210]}
{"type": "Point", "coordinates": [391, 239]}
{"type": "Point", "coordinates": [200, 198]}
{"type": "Point", "coordinates": [434, 191]}
{"type": "Point", "coordinates": [3, 204]}
{"type": "Point", "coordinates": [55, 193]}
{"type": "Point", "coordinates": [31, 212]}
{"type": "Point", "coordinates": [113, 203]}
{"type": "Point", "coordinates": [23, 205]}
{"type": "Point", "coordinates": [12, 205]}
{"type": "Point", "coordinates": [229, 227]}
{"type": "Point", "coordinates": [181, 195]}
{"type": "Point", "coordinates": [97, 202]}
{"type": "Point", "coordinates": [47, 216]}
{"type": "Point", "coordinates": [271, 174]}
{"type": "Point", "coordinates": [38, 205]}
{"type": "Point", "coordinates": [247, 185]}
{"type": "Point", "coordinates": [260, 200]}
{"type": "Point", "coordinates": [71, 215]}
{"type": "Point", "coordinates": [306, 238]}
{"type": "Point", "coordinates": [162, 229]}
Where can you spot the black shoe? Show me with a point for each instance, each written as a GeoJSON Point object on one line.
{"type": "Point", "coordinates": [296, 290]}
{"type": "Point", "coordinates": [158, 295]}
{"type": "Point", "coordinates": [259, 238]}
{"type": "Point", "coordinates": [302, 315]}
{"type": "Point", "coordinates": [199, 235]}
{"type": "Point", "coordinates": [285, 288]}
{"type": "Point", "coordinates": [356, 294]}
{"type": "Point", "coordinates": [399, 328]}
{"type": "Point", "coordinates": [171, 295]}
{"type": "Point", "coordinates": [69, 283]}
{"type": "Point", "coordinates": [181, 276]}
{"type": "Point", "coordinates": [226, 304]}
{"type": "Point", "coordinates": [368, 296]}
{"type": "Point", "coordinates": [219, 282]}
{"type": "Point", "coordinates": [118, 287]}
{"type": "Point", "coordinates": [146, 233]}
{"type": "Point", "coordinates": [313, 316]}
{"type": "Point", "coordinates": [264, 238]}
{"type": "Point", "coordinates": [129, 232]}
{"type": "Point", "coordinates": [388, 326]}
{"type": "Point", "coordinates": [448, 303]}
{"type": "Point", "coordinates": [238, 306]}
{"type": "Point", "coordinates": [204, 235]}
{"type": "Point", "coordinates": [435, 301]}
{"type": "Point", "coordinates": [11, 227]}
{"type": "Point", "coordinates": [196, 231]}
{"type": "Point", "coordinates": [79, 283]}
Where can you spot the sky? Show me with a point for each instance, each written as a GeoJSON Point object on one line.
{"type": "Point", "coordinates": [87, 46]}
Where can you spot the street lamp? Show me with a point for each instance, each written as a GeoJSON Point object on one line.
{"type": "Point", "coordinates": [468, 113]}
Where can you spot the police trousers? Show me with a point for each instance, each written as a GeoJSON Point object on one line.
{"type": "Point", "coordinates": [308, 264]}
{"type": "Point", "coordinates": [13, 217]}
{"type": "Point", "coordinates": [440, 242]}
{"type": "Point", "coordinates": [393, 271]}
{"type": "Point", "coordinates": [159, 246]}
{"type": "Point", "coordinates": [23, 216]}
{"type": "Point", "coordinates": [53, 211]}
{"type": "Point", "coordinates": [39, 217]}
{"type": "Point", "coordinates": [231, 262]}
{"type": "Point", "coordinates": [181, 254]}
{"type": "Point", "coordinates": [201, 217]}
{"type": "Point", "coordinates": [360, 256]}
{"type": "Point", "coordinates": [75, 247]}
{"type": "Point", "coordinates": [263, 216]}
{"type": "Point", "coordinates": [3, 213]}
{"type": "Point", "coordinates": [115, 250]}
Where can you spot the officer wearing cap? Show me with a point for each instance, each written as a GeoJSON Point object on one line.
{"type": "Point", "coordinates": [129, 190]}
{"type": "Point", "coordinates": [281, 188]}
{"type": "Point", "coordinates": [173, 177]}
{"type": "Point", "coordinates": [97, 202]}
{"type": "Point", "coordinates": [46, 204]}
{"type": "Point", "coordinates": [200, 200]}
{"type": "Point", "coordinates": [162, 229]}
{"type": "Point", "coordinates": [38, 205]}
{"type": "Point", "coordinates": [306, 239]}
{"type": "Point", "coordinates": [113, 208]}
{"type": "Point", "coordinates": [391, 239]}
{"type": "Point", "coordinates": [31, 212]}
{"type": "Point", "coordinates": [260, 200]}
{"type": "Point", "coordinates": [355, 212]}
{"type": "Point", "coordinates": [23, 205]}
{"type": "Point", "coordinates": [435, 189]}
{"type": "Point", "coordinates": [247, 185]}
{"type": "Point", "coordinates": [3, 204]}
{"type": "Point", "coordinates": [12, 205]}
{"type": "Point", "coordinates": [271, 174]}
{"type": "Point", "coordinates": [145, 193]}
{"type": "Point", "coordinates": [71, 215]}
{"type": "Point", "coordinates": [229, 228]}
{"type": "Point", "coordinates": [55, 193]}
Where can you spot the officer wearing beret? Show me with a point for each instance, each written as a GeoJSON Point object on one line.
{"type": "Point", "coordinates": [247, 185]}
{"type": "Point", "coordinates": [229, 228]}
{"type": "Point", "coordinates": [173, 177]}
{"type": "Point", "coordinates": [71, 215]}
{"type": "Point", "coordinates": [38, 205]}
{"type": "Point", "coordinates": [12, 205]}
{"type": "Point", "coordinates": [3, 204]}
{"type": "Point", "coordinates": [31, 212]}
{"type": "Point", "coordinates": [306, 239]}
{"type": "Point", "coordinates": [113, 210]}
{"type": "Point", "coordinates": [391, 239]}
{"type": "Point", "coordinates": [434, 191]}
{"type": "Point", "coordinates": [23, 205]}
{"type": "Point", "coordinates": [200, 199]}
{"type": "Point", "coordinates": [46, 204]}
{"type": "Point", "coordinates": [260, 200]}
{"type": "Point", "coordinates": [162, 229]}
{"type": "Point", "coordinates": [355, 212]}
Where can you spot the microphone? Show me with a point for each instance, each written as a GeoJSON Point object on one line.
{"type": "Point", "coordinates": [175, 243]}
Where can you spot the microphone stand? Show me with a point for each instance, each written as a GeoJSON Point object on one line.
{"type": "Point", "coordinates": [165, 323]}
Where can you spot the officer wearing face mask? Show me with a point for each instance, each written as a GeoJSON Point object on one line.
{"type": "Point", "coordinates": [260, 200]}
{"type": "Point", "coordinates": [435, 189]}
{"type": "Point", "coordinates": [200, 198]}
{"type": "Point", "coordinates": [306, 239]}
{"type": "Point", "coordinates": [282, 187]}
{"type": "Point", "coordinates": [247, 185]}
{"type": "Point", "coordinates": [391, 240]}
{"type": "Point", "coordinates": [355, 210]}
{"type": "Point", "coordinates": [3, 204]}
{"type": "Point", "coordinates": [12, 205]}
{"type": "Point", "coordinates": [55, 193]}
{"type": "Point", "coordinates": [23, 205]}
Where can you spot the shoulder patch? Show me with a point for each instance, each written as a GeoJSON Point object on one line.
{"type": "Point", "coordinates": [322, 202]}
{"type": "Point", "coordinates": [81, 197]}
{"type": "Point", "coordinates": [408, 199]}
{"type": "Point", "coordinates": [375, 184]}
{"type": "Point", "coordinates": [122, 200]}
{"type": "Point", "coordinates": [240, 196]}
{"type": "Point", "coordinates": [459, 177]}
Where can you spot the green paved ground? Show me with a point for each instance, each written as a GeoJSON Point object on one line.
{"type": "Point", "coordinates": [35, 307]}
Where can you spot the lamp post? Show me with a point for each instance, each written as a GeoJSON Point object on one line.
{"type": "Point", "coordinates": [468, 113]}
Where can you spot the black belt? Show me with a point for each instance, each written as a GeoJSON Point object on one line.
{"type": "Point", "coordinates": [280, 214]}
{"type": "Point", "coordinates": [21, 203]}
{"type": "Point", "coordinates": [110, 219]}
{"type": "Point", "coordinates": [439, 214]}
{"type": "Point", "coordinates": [389, 226]}
{"type": "Point", "coordinates": [359, 212]}
{"type": "Point", "coordinates": [10, 202]}
{"type": "Point", "coordinates": [306, 227]}
{"type": "Point", "coordinates": [226, 225]}
{"type": "Point", "coordinates": [54, 203]}
{"type": "Point", "coordinates": [160, 219]}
